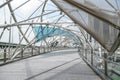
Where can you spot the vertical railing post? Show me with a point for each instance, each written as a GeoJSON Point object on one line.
{"type": "Point", "coordinates": [91, 56]}
{"type": "Point", "coordinates": [78, 49]}
{"type": "Point", "coordinates": [49, 48]}
{"type": "Point", "coordinates": [44, 50]}
{"type": "Point", "coordinates": [39, 50]}
{"type": "Point", "coordinates": [4, 55]}
{"type": "Point", "coordinates": [105, 64]}
{"type": "Point", "coordinates": [31, 51]}
{"type": "Point", "coordinates": [21, 52]}
{"type": "Point", "coordinates": [86, 54]}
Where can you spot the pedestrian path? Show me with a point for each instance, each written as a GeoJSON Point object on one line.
{"type": "Point", "coordinates": [57, 65]}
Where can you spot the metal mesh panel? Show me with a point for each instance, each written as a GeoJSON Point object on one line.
{"type": "Point", "coordinates": [106, 34]}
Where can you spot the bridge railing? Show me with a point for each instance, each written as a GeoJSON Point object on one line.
{"type": "Point", "coordinates": [5, 54]}
{"type": "Point", "coordinates": [105, 66]}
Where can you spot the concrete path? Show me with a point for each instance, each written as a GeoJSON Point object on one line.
{"type": "Point", "coordinates": [58, 65]}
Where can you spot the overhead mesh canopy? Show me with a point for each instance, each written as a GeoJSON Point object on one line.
{"type": "Point", "coordinates": [43, 32]}
{"type": "Point", "coordinates": [100, 25]}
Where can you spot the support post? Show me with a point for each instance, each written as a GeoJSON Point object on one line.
{"type": "Point", "coordinates": [91, 56]}
{"type": "Point", "coordinates": [86, 54]}
{"type": "Point", "coordinates": [21, 52]}
{"type": "Point", "coordinates": [39, 50]}
{"type": "Point", "coordinates": [4, 55]}
{"type": "Point", "coordinates": [44, 50]}
{"type": "Point", "coordinates": [106, 64]}
{"type": "Point", "coordinates": [31, 51]}
{"type": "Point", "coordinates": [49, 49]}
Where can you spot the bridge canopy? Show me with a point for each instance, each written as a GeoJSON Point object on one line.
{"type": "Point", "coordinates": [103, 26]}
{"type": "Point", "coordinates": [94, 22]}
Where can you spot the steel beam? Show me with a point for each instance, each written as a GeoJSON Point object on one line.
{"type": "Point", "coordinates": [5, 3]}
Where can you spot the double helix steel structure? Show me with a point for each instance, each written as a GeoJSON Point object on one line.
{"type": "Point", "coordinates": [33, 27]}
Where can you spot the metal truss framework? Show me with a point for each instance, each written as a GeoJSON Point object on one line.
{"type": "Point", "coordinates": [64, 14]}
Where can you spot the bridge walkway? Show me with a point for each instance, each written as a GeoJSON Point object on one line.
{"type": "Point", "coordinates": [57, 65]}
